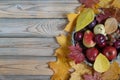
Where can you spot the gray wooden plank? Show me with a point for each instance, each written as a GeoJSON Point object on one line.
{"type": "Point", "coordinates": [37, 9]}
{"type": "Point", "coordinates": [27, 46]}
{"type": "Point", "coordinates": [29, 77]}
{"type": "Point", "coordinates": [25, 65]}
{"type": "Point", "coordinates": [31, 27]}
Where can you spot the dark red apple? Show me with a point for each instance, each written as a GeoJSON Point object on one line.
{"type": "Point", "coordinates": [110, 52]}
{"type": "Point", "coordinates": [91, 54]}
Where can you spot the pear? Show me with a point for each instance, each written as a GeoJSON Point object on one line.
{"type": "Point", "coordinates": [99, 29]}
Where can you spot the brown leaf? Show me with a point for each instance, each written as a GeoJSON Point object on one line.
{"type": "Point", "coordinates": [113, 12]}
{"type": "Point", "coordinates": [104, 3]}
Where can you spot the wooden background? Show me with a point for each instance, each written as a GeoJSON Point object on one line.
{"type": "Point", "coordinates": [27, 36]}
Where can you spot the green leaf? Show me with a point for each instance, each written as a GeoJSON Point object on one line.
{"type": "Point", "coordinates": [84, 18]}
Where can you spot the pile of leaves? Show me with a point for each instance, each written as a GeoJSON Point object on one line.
{"type": "Point", "coordinates": [69, 66]}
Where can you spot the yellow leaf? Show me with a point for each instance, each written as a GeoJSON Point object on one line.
{"type": "Point", "coordinates": [113, 72]}
{"type": "Point", "coordinates": [84, 18]}
{"type": "Point", "coordinates": [104, 3]}
{"type": "Point", "coordinates": [80, 70]}
{"type": "Point", "coordinates": [60, 68]}
{"type": "Point", "coordinates": [64, 41]}
{"type": "Point", "coordinates": [116, 3]}
{"type": "Point", "coordinates": [72, 22]}
{"type": "Point", "coordinates": [101, 63]}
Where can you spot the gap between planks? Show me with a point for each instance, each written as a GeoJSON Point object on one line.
{"type": "Point", "coordinates": [25, 65]}
{"type": "Point", "coordinates": [31, 27]}
{"type": "Point", "coordinates": [28, 77]}
{"type": "Point", "coordinates": [28, 46]}
{"type": "Point", "coordinates": [37, 9]}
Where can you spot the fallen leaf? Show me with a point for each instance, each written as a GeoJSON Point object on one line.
{"type": "Point", "coordinates": [64, 40]}
{"type": "Point", "coordinates": [89, 3]}
{"type": "Point", "coordinates": [84, 18]}
{"type": "Point", "coordinates": [94, 76]}
{"type": "Point", "coordinates": [113, 12]}
{"type": "Point", "coordinates": [102, 17]}
{"type": "Point", "coordinates": [101, 63]}
{"type": "Point", "coordinates": [104, 3]}
{"type": "Point", "coordinates": [76, 54]}
{"type": "Point", "coordinates": [60, 68]}
{"type": "Point", "coordinates": [116, 3]}
{"type": "Point", "coordinates": [113, 73]}
{"type": "Point", "coordinates": [80, 69]}
{"type": "Point", "coordinates": [72, 22]}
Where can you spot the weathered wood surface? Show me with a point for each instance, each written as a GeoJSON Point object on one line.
{"type": "Point", "coordinates": [37, 8]}
{"type": "Point", "coordinates": [31, 27]}
{"type": "Point", "coordinates": [27, 46]}
{"type": "Point", "coordinates": [27, 28]}
{"type": "Point", "coordinates": [19, 77]}
{"type": "Point", "coordinates": [25, 65]}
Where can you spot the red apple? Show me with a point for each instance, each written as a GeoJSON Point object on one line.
{"type": "Point", "coordinates": [110, 52]}
{"type": "Point", "coordinates": [91, 54]}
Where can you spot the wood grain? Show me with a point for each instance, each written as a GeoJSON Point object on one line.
{"type": "Point", "coordinates": [25, 65]}
{"type": "Point", "coordinates": [31, 27]}
{"type": "Point", "coordinates": [27, 28]}
{"type": "Point", "coordinates": [19, 77]}
{"type": "Point", "coordinates": [27, 46]}
{"type": "Point", "coordinates": [37, 8]}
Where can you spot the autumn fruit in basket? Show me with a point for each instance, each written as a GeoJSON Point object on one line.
{"type": "Point", "coordinates": [91, 49]}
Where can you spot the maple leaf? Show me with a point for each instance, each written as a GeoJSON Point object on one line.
{"type": "Point", "coordinates": [95, 76]}
{"type": "Point", "coordinates": [64, 40]}
{"type": "Point", "coordinates": [89, 3]}
{"type": "Point", "coordinates": [76, 54]}
{"type": "Point", "coordinates": [113, 12]}
{"type": "Point", "coordinates": [60, 67]}
{"type": "Point", "coordinates": [72, 22]}
{"type": "Point", "coordinates": [80, 69]}
{"type": "Point", "coordinates": [105, 3]}
{"type": "Point", "coordinates": [113, 73]}
{"type": "Point", "coordinates": [116, 3]}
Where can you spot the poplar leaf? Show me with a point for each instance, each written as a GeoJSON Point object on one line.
{"type": "Point", "coordinates": [101, 63]}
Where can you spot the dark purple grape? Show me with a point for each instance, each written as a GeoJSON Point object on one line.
{"type": "Point", "coordinates": [100, 40]}
{"type": "Point", "coordinates": [78, 36]}
{"type": "Point", "coordinates": [117, 44]}
{"type": "Point", "coordinates": [92, 24]}
{"type": "Point", "coordinates": [102, 44]}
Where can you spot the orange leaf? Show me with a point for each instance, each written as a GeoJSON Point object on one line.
{"type": "Point", "coordinates": [64, 41]}
{"type": "Point", "coordinates": [72, 22]}
{"type": "Point", "coordinates": [60, 68]}
{"type": "Point", "coordinates": [104, 3]}
{"type": "Point", "coordinates": [113, 73]}
{"type": "Point", "coordinates": [80, 69]}
{"type": "Point", "coordinates": [116, 3]}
